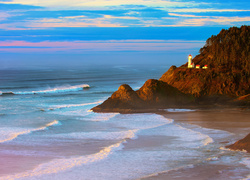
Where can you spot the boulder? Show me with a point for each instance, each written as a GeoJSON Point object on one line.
{"type": "Point", "coordinates": [243, 144]}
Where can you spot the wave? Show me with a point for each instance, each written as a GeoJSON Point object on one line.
{"type": "Point", "coordinates": [59, 165]}
{"type": "Point", "coordinates": [196, 136]}
{"type": "Point", "coordinates": [59, 89]}
{"type": "Point", "coordinates": [121, 135]}
{"type": "Point", "coordinates": [8, 134]}
{"type": "Point", "coordinates": [73, 105]}
{"type": "Point", "coordinates": [102, 116]}
{"type": "Point", "coordinates": [246, 162]}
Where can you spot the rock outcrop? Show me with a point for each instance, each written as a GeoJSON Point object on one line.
{"type": "Point", "coordinates": [125, 98]}
{"type": "Point", "coordinates": [153, 94]}
{"type": "Point", "coordinates": [160, 94]}
{"type": "Point", "coordinates": [243, 144]}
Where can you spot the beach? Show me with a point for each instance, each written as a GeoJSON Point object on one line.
{"type": "Point", "coordinates": [234, 121]}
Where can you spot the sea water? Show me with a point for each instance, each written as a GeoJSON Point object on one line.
{"type": "Point", "coordinates": [47, 130]}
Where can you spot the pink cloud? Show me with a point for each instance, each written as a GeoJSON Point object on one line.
{"type": "Point", "coordinates": [90, 46]}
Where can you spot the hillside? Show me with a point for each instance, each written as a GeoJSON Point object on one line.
{"type": "Point", "coordinates": [228, 59]}
{"type": "Point", "coordinates": [225, 82]}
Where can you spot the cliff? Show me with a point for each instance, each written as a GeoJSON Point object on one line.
{"type": "Point", "coordinates": [243, 144]}
{"type": "Point", "coordinates": [226, 81]}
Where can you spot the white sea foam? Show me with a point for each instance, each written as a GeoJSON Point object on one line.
{"type": "Point", "coordinates": [213, 158]}
{"type": "Point", "coordinates": [142, 121]}
{"type": "Point", "coordinates": [102, 116]}
{"type": "Point", "coordinates": [59, 165]}
{"type": "Point", "coordinates": [197, 136]}
{"type": "Point", "coordinates": [246, 161]}
{"type": "Point", "coordinates": [59, 89]}
{"type": "Point", "coordinates": [130, 134]}
{"type": "Point", "coordinates": [8, 134]}
{"type": "Point", "coordinates": [179, 110]}
{"type": "Point", "coordinates": [73, 105]}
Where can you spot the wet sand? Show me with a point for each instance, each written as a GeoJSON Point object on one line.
{"type": "Point", "coordinates": [231, 120]}
{"type": "Point", "coordinates": [234, 121]}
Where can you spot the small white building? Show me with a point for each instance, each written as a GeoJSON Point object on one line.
{"type": "Point", "coordinates": [190, 63]}
{"type": "Point", "coordinates": [197, 66]}
{"type": "Point", "coordinates": [204, 67]}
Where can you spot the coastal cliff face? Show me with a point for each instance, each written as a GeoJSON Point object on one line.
{"type": "Point", "coordinates": [226, 81]}
{"type": "Point", "coordinates": [207, 82]}
{"type": "Point", "coordinates": [243, 144]}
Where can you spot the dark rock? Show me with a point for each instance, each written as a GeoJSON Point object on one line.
{"type": "Point", "coordinates": [152, 95]}
{"type": "Point", "coordinates": [243, 144]}
{"type": "Point", "coordinates": [159, 93]}
{"type": "Point", "coordinates": [8, 94]}
{"type": "Point", "coordinates": [124, 98]}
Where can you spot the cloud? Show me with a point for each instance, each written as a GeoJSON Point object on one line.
{"type": "Point", "coordinates": [4, 15]}
{"type": "Point", "coordinates": [76, 4]}
{"type": "Point", "coordinates": [184, 15]}
{"type": "Point", "coordinates": [208, 21]}
{"type": "Point", "coordinates": [117, 13]}
{"type": "Point", "coordinates": [10, 7]}
{"type": "Point", "coordinates": [200, 10]}
{"type": "Point", "coordinates": [88, 46]}
{"type": "Point", "coordinates": [80, 21]}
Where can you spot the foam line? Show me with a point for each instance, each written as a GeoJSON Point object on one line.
{"type": "Point", "coordinates": [179, 110]}
{"type": "Point", "coordinates": [58, 89]}
{"type": "Point", "coordinates": [205, 138]}
{"type": "Point", "coordinates": [74, 105]}
{"type": "Point", "coordinates": [13, 135]}
{"type": "Point", "coordinates": [120, 135]}
{"type": "Point", "coordinates": [58, 165]}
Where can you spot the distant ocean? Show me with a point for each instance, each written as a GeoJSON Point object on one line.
{"type": "Point", "coordinates": [47, 130]}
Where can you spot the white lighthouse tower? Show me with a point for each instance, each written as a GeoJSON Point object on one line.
{"type": "Point", "coordinates": [190, 63]}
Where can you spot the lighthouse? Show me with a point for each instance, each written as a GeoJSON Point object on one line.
{"type": "Point", "coordinates": [190, 63]}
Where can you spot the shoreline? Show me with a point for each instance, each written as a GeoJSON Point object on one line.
{"type": "Point", "coordinates": [237, 124]}
{"type": "Point", "coordinates": [159, 110]}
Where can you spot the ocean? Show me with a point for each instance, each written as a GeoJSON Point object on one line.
{"type": "Point", "coordinates": [47, 130]}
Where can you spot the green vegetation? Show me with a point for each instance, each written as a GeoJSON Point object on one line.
{"type": "Point", "coordinates": [228, 58]}
{"type": "Point", "coordinates": [229, 49]}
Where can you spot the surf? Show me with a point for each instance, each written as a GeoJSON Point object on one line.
{"type": "Point", "coordinates": [9, 134]}
{"type": "Point", "coordinates": [58, 89]}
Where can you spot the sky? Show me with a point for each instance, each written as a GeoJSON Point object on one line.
{"type": "Point", "coordinates": [46, 33]}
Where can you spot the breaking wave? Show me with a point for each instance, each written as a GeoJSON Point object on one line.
{"type": "Point", "coordinates": [130, 134]}
{"type": "Point", "coordinates": [59, 89]}
{"type": "Point", "coordinates": [8, 134]}
{"type": "Point", "coordinates": [179, 110]}
{"type": "Point", "coordinates": [197, 136]}
{"type": "Point", "coordinates": [58, 165]}
{"type": "Point", "coordinates": [73, 105]}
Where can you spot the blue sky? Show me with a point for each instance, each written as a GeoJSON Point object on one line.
{"type": "Point", "coordinates": [48, 32]}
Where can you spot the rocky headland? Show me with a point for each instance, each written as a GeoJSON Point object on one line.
{"type": "Point", "coordinates": [226, 81]}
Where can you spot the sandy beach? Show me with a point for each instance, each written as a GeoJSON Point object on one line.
{"type": "Point", "coordinates": [234, 121]}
